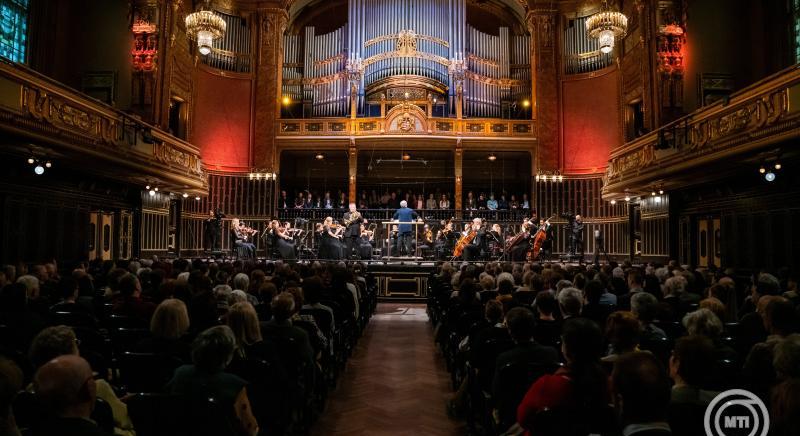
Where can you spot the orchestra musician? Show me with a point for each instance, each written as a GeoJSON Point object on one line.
{"type": "Point", "coordinates": [330, 240]}
{"type": "Point", "coordinates": [547, 245]}
{"type": "Point", "coordinates": [352, 221]}
{"type": "Point", "coordinates": [494, 240]}
{"type": "Point", "coordinates": [519, 251]}
{"type": "Point", "coordinates": [213, 229]}
{"type": "Point", "coordinates": [365, 241]}
{"type": "Point", "coordinates": [576, 227]}
{"type": "Point", "coordinates": [473, 251]}
{"type": "Point", "coordinates": [391, 241]}
{"type": "Point", "coordinates": [282, 241]}
{"type": "Point", "coordinates": [404, 214]}
{"type": "Point", "coordinates": [242, 235]}
{"type": "Point", "coordinates": [425, 240]}
{"type": "Point", "coordinates": [445, 240]}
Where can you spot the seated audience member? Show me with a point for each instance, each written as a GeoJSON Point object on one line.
{"type": "Point", "coordinates": [316, 337]}
{"type": "Point", "coordinates": [672, 306]}
{"type": "Point", "coordinates": [243, 321]}
{"type": "Point", "coordinates": [593, 307]}
{"type": "Point", "coordinates": [785, 402]}
{"type": "Point", "coordinates": [548, 328]}
{"type": "Point", "coordinates": [703, 322]}
{"type": "Point", "coordinates": [22, 322]}
{"type": "Point", "coordinates": [212, 351]}
{"type": "Point", "coordinates": [68, 289]}
{"type": "Point", "coordinates": [66, 389]}
{"type": "Point", "coordinates": [765, 287]}
{"type": "Point", "coordinates": [60, 340]}
{"type": "Point", "coordinates": [578, 388]}
{"type": "Point", "coordinates": [486, 344]}
{"type": "Point", "coordinates": [168, 328]}
{"type": "Point", "coordinates": [715, 306]}
{"type": "Point", "coordinates": [312, 291]}
{"type": "Point", "coordinates": [691, 364]}
{"type": "Point", "coordinates": [645, 306]}
{"type": "Point", "coordinates": [292, 343]}
{"type": "Point", "coordinates": [570, 303]}
{"type": "Point", "coordinates": [635, 283]}
{"type": "Point", "coordinates": [10, 384]}
{"type": "Point", "coordinates": [526, 352]}
{"type": "Point", "coordinates": [779, 321]}
{"type": "Point", "coordinates": [622, 333]}
{"type": "Point", "coordinates": [641, 395]}
{"type": "Point", "coordinates": [786, 358]}
{"type": "Point", "coordinates": [130, 302]}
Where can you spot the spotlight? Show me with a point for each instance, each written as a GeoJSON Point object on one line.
{"type": "Point", "coordinates": [185, 195]}
{"type": "Point", "coordinates": [434, 100]}
{"type": "Point", "coordinates": [286, 100]}
{"type": "Point", "coordinates": [31, 160]}
{"type": "Point", "coordinates": [661, 191]}
{"type": "Point", "coordinates": [152, 193]}
{"type": "Point", "coordinates": [197, 198]}
{"type": "Point", "coordinates": [492, 157]}
{"type": "Point", "coordinates": [147, 187]}
{"type": "Point", "coordinates": [658, 199]}
{"type": "Point", "coordinates": [762, 170]}
{"type": "Point", "coordinates": [319, 156]}
{"type": "Point", "coordinates": [560, 178]}
{"type": "Point", "coordinates": [653, 193]}
{"type": "Point", "coordinates": [777, 165]}
{"type": "Point", "coordinates": [770, 176]}
{"type": "Point", "coordinates": [156, 189]}
{"type": "Point", "coordinates": [38, 169]}
{"type": "Point", "coordinates": [526, 103]}
{"type": "Point", "coordinates": [537, 178]}
{"type": "Point", "coordinates": [627, 198]}
{"type": "Point", "coordinates": [48, 164]}
{"type": "Point", "coordinates": [613, 202]}
{"type": "Point", "coordinates": [406, 156]}
{"type": "Point", "coordinates": [406, 94]}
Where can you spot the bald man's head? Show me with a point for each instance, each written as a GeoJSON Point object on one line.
{"type": "Point", "coordinates": [65, 386]}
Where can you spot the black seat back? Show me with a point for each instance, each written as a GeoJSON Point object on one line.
{"type": "Point", "coordinates": [146, 372]}
{"type": "Point", "coordinates": [176, 415]}
{"type": "Point", "coordinates": [514, 380]}
{"type": "Point", "coordinates": [561, 421]}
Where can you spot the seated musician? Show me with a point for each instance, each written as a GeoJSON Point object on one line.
{"type": "Point", "coordinates": [242, 234]}
{"type": "Point", "coordinates": [391, 241]}
{"type": "Point", "coordinates": [521, 247]}
{"type": "Point", "coordinates": [494, 240]}
{"type": "Point", "coordinates": [445, 240]}
{"type": "Point", "coordinates": [425, 239]}
{"type": "Point", "coordinates": [547, 245]}
{"type": "Point", "coordinates": [365, 243]}
{"type": "Point", "coordinates": [282, 241]}
{"type": "Point", "coordinates": [474, 250]}
{"type": "Point", "coordinates": [330, 240]}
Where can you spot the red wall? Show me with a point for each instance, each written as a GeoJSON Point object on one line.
{"type": "Point", "coordinates": [591, 122]}
{"type": "Point", "coordinates": [222, 121]}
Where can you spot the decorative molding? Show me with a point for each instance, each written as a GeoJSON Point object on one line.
{"type": "Point", "coordinates": [419, 36]}
{"type": "Point", "coordinates": [501, 82]}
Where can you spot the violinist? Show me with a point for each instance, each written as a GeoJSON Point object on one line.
{"type": "Point", "coordinates": [241, 233]}
{"type": "Point", "coordinates": [425, 239]}
{"type": "Point", "coordinates": [445, 240]}
{"type": "Point", "coordinates": [365, 242]}
{"type": "Point", "coordinates": [282, 241]}
{"type": "Point", "coordinates": [213, 228]}
{"type": "Point", "coordinates": [330, 240]}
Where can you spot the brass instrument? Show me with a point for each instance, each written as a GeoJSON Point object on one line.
{"type": "Point", "coordinates": [355, 216]}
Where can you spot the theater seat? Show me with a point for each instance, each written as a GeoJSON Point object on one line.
{"type": "Point", "coordinates": [176, 415]}
{"type": "Point", "coordinates": [513, 381]}
{"type": "Point", "coordinates": [560, 421]}
{"type": "Point", "coordinates": [146, 372]}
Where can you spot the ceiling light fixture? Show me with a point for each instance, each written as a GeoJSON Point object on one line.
{"type": "Point", "coordinates": [770, 176]}
{"type": "Point", "coordinates": [607, 26]}
{"type": "Point", "coordinates": [205, 26]}
{"type": "Point", "coordinates": [319, 156]}
{"type": "Point", "coordinates": [492, 157]}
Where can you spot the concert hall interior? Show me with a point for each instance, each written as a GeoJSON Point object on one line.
{"type": "Point", "coordinates": [311, 186]}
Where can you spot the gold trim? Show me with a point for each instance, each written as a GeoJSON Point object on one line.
{"type": "Point", "coordinates": [395, 36]}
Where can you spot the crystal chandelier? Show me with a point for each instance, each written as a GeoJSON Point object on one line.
{"type": "Point", "coordinates": [607, 26]}
{"type": "Point", "coordinates": [205, 26]}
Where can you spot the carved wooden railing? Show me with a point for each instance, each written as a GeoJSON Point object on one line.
{"type": "Point", "coordinates": [376, 126]}
{"type": "Point", "coordinates": [43, 110]}
{"type": "Point", "coordinates": [754, 118]}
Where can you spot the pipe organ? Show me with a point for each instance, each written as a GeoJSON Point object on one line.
{"type": "Point", "coordinates": [232, 51]}
{"type": "Point", "coordinates": [395, 51]}
{"type": "Point", "coordinates": [581, 53]}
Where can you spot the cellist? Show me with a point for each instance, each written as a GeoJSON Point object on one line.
{"type": "Point", "coordinates": [547, 245]}
{"type": "Point", "coordinates": [476, 246]}
{"type": "Point", "coordinates": [520, 249]}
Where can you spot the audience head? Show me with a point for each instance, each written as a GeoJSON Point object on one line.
{"type": "Point", "coordinates": [765, 284]}
{"type": "Point", "coordinates": [243, 321]}
{"type": "Point", "coordinates": [129, 286]}
{"type": "Point", "coordinates": [65, 386]}
{"type": "Point", "coordinates": [520, 324]}
{"type": "Point", "coordinates": [780, 317]}
{"type": "Point", "coordinates": [786, 358]}
{"type": "Point", "coordinates": [675, 286]}
{"type": "Point", "coordinates": [170, 319]}
{"type": "Point", "coordinates": [282, 306]}
{"type": "Point", "coordinates": [692, 360]}
{"type": "Point", "coordinates": [241, 281]}
{"type": "Point", "coordinates": [644, 306]}
{"type": "Point", "coordinates": [52, 342]}
{"type": "Point", "coordinates": [31, 285]}
{"type": "Point", "coordinates": [545, 303]}
{"type": "Point", "coordinates": [493, 311]}
{"type": "Point", "coordinates": [622, 331]}
{"type": "Point", "coordinates": [703, 322]}
{"type": "Point", "coordinates": [641, 388]}
{"type": "Point", "coordinates": [505, 283]}
{"type": "Point", "coordinates": [785, 402]}
{"type": "Point", "coordinates": [212, 349]}
{"type": "Point", "coordinates": [593, 291]}
{"type": "Point", "coordinates": [570, 301]}
{"type": "Point", "coordinates": [714, 305]}
{"type": "Point", "coordinates": [581, 341]}
{"type": "Point", "coordinates": [11, 379]}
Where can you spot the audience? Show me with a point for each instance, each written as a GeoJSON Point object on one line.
{"type": "Point", "coordinates": [641, 392]}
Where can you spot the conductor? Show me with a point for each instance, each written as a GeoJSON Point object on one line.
{"type": "Point", "coordinates": [404, 214]}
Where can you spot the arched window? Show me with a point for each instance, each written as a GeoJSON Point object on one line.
{"type": "Point", "coordinates": [13, 29]}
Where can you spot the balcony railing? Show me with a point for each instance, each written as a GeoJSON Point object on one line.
{"type": "Point", "coordinates": [756, 117]}
{"type": "Point", "coordinates": [379, 215]}
{"type": "Point", "coordinates": [375, 126]}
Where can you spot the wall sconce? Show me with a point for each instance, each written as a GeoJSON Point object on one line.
{"type": "Point", "coordinates": [549, 176]}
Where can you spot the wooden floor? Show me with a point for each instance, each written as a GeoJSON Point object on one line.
{"type": "Point", "coordinates": [395, 383]}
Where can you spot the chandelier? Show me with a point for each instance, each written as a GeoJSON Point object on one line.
{"type": "Point", "coordinates": [205, 26]}
{"type": "Point", "coordinates": [606, 26]}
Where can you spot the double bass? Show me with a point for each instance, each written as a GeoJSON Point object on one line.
{"type": "Point", "coordinates": [538, 240]}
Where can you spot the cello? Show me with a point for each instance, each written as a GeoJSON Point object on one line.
{"type": "Point", "coordinates": [538, 240]}
{"type": "Point", "coordinates": [463, 242]}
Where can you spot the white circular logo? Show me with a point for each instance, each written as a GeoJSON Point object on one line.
{"type": "Point", "coordinates": [736, 412]}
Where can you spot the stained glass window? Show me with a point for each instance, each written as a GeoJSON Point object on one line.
{"type": "Point", "coordinates": [13, 29]}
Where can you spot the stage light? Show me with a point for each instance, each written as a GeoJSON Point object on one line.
{"type": "Point", "coordinates": [762, 170]}
{"type": "Point", "coordinates": [48, 164]}
{"type": "Point", "coordinates": [286, 100]}
{"type": "Point", "coordinates": [537, 178]}
{"type": "Point", "coordinates": [38, 169]}
{"type": "Point", "coordinates": [434, 100]}
{"type": "Point", "coordinates": [147, 187]}
{"type": "Point", "coordinates": [492, 157]}
{"type": "Point", "coordinates": [661, 191]}
{"type": "Point", "coordinates": [31, 160]}
{"type": "Point", "coordinates": [653, 193]}
{"type": "Point", "coordinates": [156, 189]}
{"type": "Point", "coordinates": [319, 156]}
{"type": "Point", "coordinates": [185, 195]}
{"type": "Point", "coordinates": [152, 193]}
{"type": "Point", "coordinates": [658, 199]}
{"type": "Point", "coordinates": [197, 198]}
{"type": "Point", "coordinates": [406, 94]}
{"type": "Point", "coordinates": [560, 178]}
{"type": "Point", "coordinates": [777, 165]}
{"type": "Point", "coordinates": [406, 156]}
{"type": "Point", "coordinates": [770, 176]}
{"type": "Point", "coordinates": [613, 202]}
{"type": "Point", "coordinates": [627, 198]}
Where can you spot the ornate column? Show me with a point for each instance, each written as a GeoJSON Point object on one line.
{"type": "Point", "coordinates": [458, 161]}
{"type": "Point", "coordinates": [541, 21]}
{"type": "Point", "coordinates": [352, 164]}
{"type": "Point", "coordinates": [269, 67]}
{"type": "Point", "coordinates": [458, 69]}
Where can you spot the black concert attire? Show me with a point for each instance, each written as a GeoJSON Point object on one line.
{"type": "Point", "coordinates": [547, 245]}
{"type": "Point", "coordinates": [213, 230]}
{"type": "Point", "coordinates": [519, 252]}
{"type": "Point", "coordinates": [474, 250]}
{"type": "Point", "coordinates": [495, 243]}
{"type": "Point", "coordinates": [352, 232]}
{"type": "Point", "coordinates": [241, 241]}
{"type": "Point", "coordinates": [284, 247]}
{"type": "Point", "coordinates": [364, 247]}
{"type": "Point", "coordinates": [330, 247]}
{"type": "Point", "coordinates": [283, 203]}
{"type": "Point", "coordinates": [576, 228]}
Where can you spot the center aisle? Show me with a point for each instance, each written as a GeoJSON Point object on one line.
{"type": "Point", "coordinates": [395, 383]}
